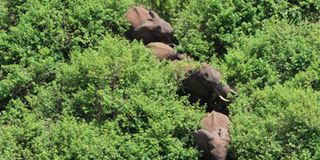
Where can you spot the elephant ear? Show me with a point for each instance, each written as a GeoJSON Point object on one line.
{"type": "Point", "coordinates": [202, 139]}
{"type": "Point", "coordinates": [137, 15]}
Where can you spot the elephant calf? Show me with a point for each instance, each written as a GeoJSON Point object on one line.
{"type": "Point", "coordinates": [213, 137]}
{"type": "Point", "coordinates": [163, 51]}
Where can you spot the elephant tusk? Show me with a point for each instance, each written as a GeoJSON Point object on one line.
{"type": "Point", "coordinates": [234, 92]}
{"type": "Point", "coordinates": [222, 98]}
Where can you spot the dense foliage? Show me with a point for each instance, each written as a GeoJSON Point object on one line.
{"type": "Point", "coordinates": [209, 27]}
{"type": "Point", "coordinates": [277, 123]}
{"type": "Point", "coordinates": [56, 27]}
{"type": "Point", "coordinates": [122, 93]}
{"type": "Point", "coordinates": [273, 55]}
{"type": "Point", "coordinates": [71, 86]}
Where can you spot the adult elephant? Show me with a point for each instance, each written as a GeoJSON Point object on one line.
{"type": "Point", "coordinates": [205, 85]}
{"type": "Point", "coordinates": [213, 137]}
{"type": "Point", "coordinates": [136, 16]}
{"type": "Point", "coordinates": [153, 29]}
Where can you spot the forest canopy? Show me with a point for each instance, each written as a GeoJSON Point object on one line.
{"type": "Point", "coordinates": [73, 87]}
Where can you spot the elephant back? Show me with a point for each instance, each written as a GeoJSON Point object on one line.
{"type": "Point", "coordinates": [214, 121]}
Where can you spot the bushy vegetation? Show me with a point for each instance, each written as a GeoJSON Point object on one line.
{"type": "Point", "coordinates": [273, 55]}
{"type": "Point", "coordinates": [54, 28]}
{"type": "Point", "coordinates": [168, 9]}
{"type": "Point", "coordinates": [208, 27]}
{"type": "Point", "coordinates": [71, 87]}
{"type": "Point", "coordinates": [277, 123]}
{"type": "Point", "coordinates": [126, 97]}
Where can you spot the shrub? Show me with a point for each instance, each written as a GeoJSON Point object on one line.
{"type": "Point", "coordinates": [3, 15]}
{"type": "Point", "coordinates": [310, 78]}
{"type": "Point", "coordinates": [273, 55]}
{"type": "Point", "coordinates": [209, 27]}
{"type": "Point", "coordinates": [119, 87]}
{"type": "Point", "coordinates": [276, 123]}
{"type": "Point", "coordinates": [71, 88]}
{"type": "Point", "coordinates": [34, 138]}
{"type": "Point", "coordinates": [55, 28]}
{"type": "Point", "coordinates": [167, 9]}
{"type": "Point", "coordinates": [9, 15]}
{"type": "Point", "coordinates": [17, 81]}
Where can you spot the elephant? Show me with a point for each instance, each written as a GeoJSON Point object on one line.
{"type": "Point", "coordinates": [155, 30]}
{"type": "Point", "coordinates": [205, 85]}
{"type": "Point", "coordinates": [137, 16]}
{"type": "Point", "coordinates": [163, 51]}
{"type": "Point", "coordinates": [213, 137]}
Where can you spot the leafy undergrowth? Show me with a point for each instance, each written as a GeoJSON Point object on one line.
{"type": "Point", "coordinates": [71, 87]}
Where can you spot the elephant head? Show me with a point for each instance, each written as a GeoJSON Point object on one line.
{"type": "Point", "coordinates": [155, 30]}
{"type": "Point", "coordinates": [214, 145]}
{"type": "Point", "coordinates": [166, 32]}
{"type": "Point", "coordinates": [213, 138]}
{"type": "Point", "coordinates": [205, 83]}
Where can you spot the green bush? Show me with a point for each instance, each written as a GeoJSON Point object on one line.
{"type": "Point", "coordinates": [16, 80]}
{"type": "Point", "coordinates": [276, 123]}
{"type": "Point", "coordinates": [3, 15]}
{"type": "Point", "coordinates": [72, 88]}
{"type": "Point", "coordinates": [206, 28]}
{"type": "Point", "coordinates": [273, 55]}
{"type": "Point", "coordinates": [34, 138]}
{"type": "Point", "coordinates": [310, 78]}
{"type": "Point", "coordinates": [117, 86]}
{"type": "Point", "coordinates": [9, 15]}
{"type": "Point", "coordinates": [167, 9]}
{"type": "Point", "coordinates": [57, 27]}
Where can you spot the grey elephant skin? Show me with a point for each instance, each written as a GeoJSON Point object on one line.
{"type": "Point", "coordinates": [213, 137]}
{"type": "Point", "coordinates": [148, 27]}
{"type": "Point", "coordinates": [137, 16]}
{"type": "Point", "coordinates": [205, 85]}
{"type": "Point", "coordinates": [163, 51]}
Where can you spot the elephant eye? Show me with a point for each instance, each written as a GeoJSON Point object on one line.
{"type": "Point", "coordinates": [206, 75]}
{"type": "Point", "coordinates": [219, 132]}
{"type": "Point", "coordinates": [158, 28]}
